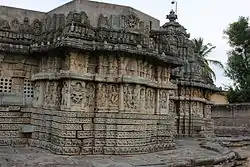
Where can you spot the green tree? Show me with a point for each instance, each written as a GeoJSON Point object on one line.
{"type": "Point", "coordinates": [201, 54]}
{"type": "Point", "coordinates": [238, 63]}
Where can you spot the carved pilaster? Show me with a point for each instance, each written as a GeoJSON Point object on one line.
{"type": "Point", "coordinates": [142, 99]}
{"type": "Point", "coordinates": [121, 98]}
{"type": "Point", "coordinates": [65, 103]}
{"type": "Point", "coordinates": [121, 66]}
{"type": "Point", "coordinates": [157, 102]}
{"type": "Point", "coordinates": [39, 93]}
{"type": "Point", "coordinates": [158, 74]}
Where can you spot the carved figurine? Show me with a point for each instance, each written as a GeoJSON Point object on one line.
{"type": "Point", "coordinates": [78, 93]}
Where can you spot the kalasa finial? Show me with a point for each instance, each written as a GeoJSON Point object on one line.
{"type": "Point", "coordinates": [172, 16]}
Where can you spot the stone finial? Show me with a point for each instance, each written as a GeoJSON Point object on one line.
{"type": "Point", "coordinates": [172, 16]}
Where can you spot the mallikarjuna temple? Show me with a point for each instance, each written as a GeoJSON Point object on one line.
{"type": "Point", "coordinates": [97, 78]}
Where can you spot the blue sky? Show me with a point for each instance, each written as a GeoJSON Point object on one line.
{"type": "Point", "coordinates": [201, 18]}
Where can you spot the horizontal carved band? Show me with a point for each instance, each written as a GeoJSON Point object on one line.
{"type": "Point", "coordinates": [100, 78]}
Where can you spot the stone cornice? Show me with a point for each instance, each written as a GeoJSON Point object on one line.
{"type": "Point", "coordinates": [101, 78]}
{"type": "Point", "coordinates": [72, 36]}
{"type": "Point", "coordinates": [198, 84]}
{"type": "Point", "coordinates": [185, 98]}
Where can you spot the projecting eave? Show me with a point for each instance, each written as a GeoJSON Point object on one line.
{"type": "Point", "coordinates": [202, 85]}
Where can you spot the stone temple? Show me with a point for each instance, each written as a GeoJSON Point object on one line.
{"type": "Point", "coordinates": [97, 78]}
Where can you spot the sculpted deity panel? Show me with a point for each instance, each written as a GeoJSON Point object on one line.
{"type": "Point", "coordinates": [131, 97]}
{"type": "Point", "coordinates": [113, 65]}
{"type": "Point", "coordinates": [22, 27]}
{"type": "Point", "coordinates": [150, 100]}
{"type": "Point", "coordinates": [52, 94]}
{"type": "Point", "coordinates": [108, 96]}
{"type": "Point", "coordinates": [182, 108]}
{"type": "Point", "coordinates": [75, 17]}
{"type": "Point", "coordinates": [50, 63]}
{"type": "Point", "coordinates": [146, 70]}
{"type": "Point", "coordinates": [131, 67]}
{"type": "Point", "coordinates": [113, 95]}
{"type": "Point", "coordinates": [102, 96]}
{"type": "Point", "coordinates": [91, 96]}
{"type": "Point", "coordinates": [164, 99]}
{"type": "Point", "coordinates": [207, 111]}
{"type": "Point", "coordinates": [103, 21]}
{"type": "Point", "coordinates": [165, 74]}
{"type": "Point", "coordinates": [129, 21]}
{"type": "Point", "coordinates": [78, 96]}
{"type": "Point", "coordinates": [197, 109]}
{"type": "Point", "coordinates": [65, 94]}
{"type": "Point", "coordinates": [78, 63]}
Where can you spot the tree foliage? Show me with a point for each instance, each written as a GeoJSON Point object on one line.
{"type": "Point", "coordinates": [201, 53]}
{"type": "Point", "coordinates": [238, 63]}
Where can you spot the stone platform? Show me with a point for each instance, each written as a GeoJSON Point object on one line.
{"type": "Point", "coordinates": [189, 152]}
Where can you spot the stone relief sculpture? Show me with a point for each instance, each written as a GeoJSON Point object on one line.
{"type": "Point", "coordinates": [65, 94]}
{"type": "Point", "coordinates": [130, 21]}
{"type": "Point", "coordinates": [37, 27]}
{"type": "Point", "coordinates": [103, 21]}
{"type": "Point", "coordinates": [150, 99]}
{"type": "Point", "coordinates": [25, 27]}
{"type": "Point", "coordinates": [164, 99]}
{"type": "Point", "coordinates": [75, 17]}
{"type": "Point", "coordinates": [113, 95]}
{"type": "Point", "coordinates": [102, 95]}
{"type": "Point", "coordinates": [4, 25]}
{"type": "Point", "coordinates": [91, 94]}
{"type": "Point", "coordinates": [78, 94]}
{"type": "Point", "coordinates": [15, 25]}
{"type": "Point", "coordinates": [131, 94]}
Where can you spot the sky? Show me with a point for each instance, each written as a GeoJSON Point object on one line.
{"type": "Point", "coordinates": [202, 18]}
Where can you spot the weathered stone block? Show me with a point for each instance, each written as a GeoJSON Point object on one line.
{"type": "Point", "coordinates": [27, 128]}
{"type": "Point", "coordinates": [9, 99]}
{"type": "Point", "coordinates": [85, 134]}
{"type": "Point", "coordinates": [66, 126]}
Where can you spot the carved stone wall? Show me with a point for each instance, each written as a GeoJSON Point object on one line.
{"type": "Point", "coordinates": [231, 119]}
{"type": "Point", "coordinates": [191, 100]}
{"type": "Point", "coordinates": [193, 108]}
{"type": "Point", "coordinates": [16, 92]}
{"type": "Point", "coordinates": [104, 104]}
{"type": "Point", "coordinates": [102, 87]}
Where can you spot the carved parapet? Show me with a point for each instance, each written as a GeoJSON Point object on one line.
{"type": "Point", "coordinates": [76, 32]}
